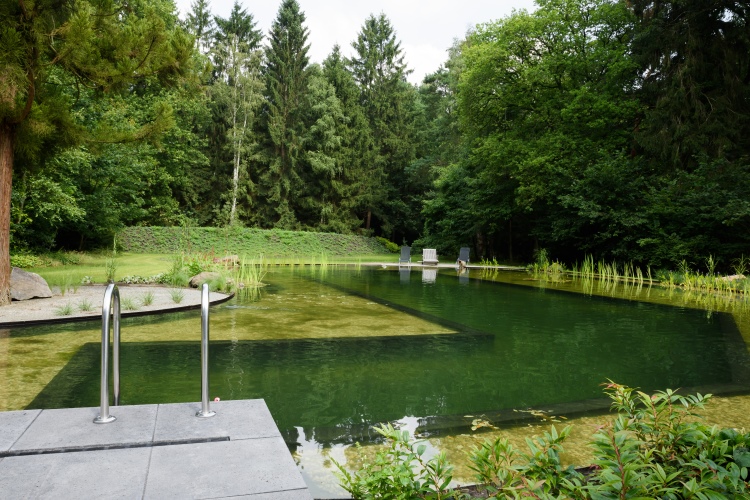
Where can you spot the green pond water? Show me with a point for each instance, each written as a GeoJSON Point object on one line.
{"type": "Point", "coordinates": [336, 351]}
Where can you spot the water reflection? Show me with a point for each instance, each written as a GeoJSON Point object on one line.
{"type": "Point", "coordinates": [334, 353]}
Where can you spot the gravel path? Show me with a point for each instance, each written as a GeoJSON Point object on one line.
{"type": "Point", "coordinates": [51, 309]}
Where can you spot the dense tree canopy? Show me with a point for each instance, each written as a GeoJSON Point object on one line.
{"type": "Point", "coordinates": [56, 54]}
{"type": "Point", "coordinates": [604, 127]}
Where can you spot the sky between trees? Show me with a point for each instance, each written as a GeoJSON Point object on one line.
{"type": "Point", "coordinates": [426, 29]}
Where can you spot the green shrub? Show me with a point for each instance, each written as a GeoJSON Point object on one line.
{"type": "Point", "coordinates": [656, 447]}
{"type": "Point", "coordinates": [400, 472]}
{"type": "Point", "coordinates": [389, 245]}
{"type": "Point", "coordinates": [25, 261]}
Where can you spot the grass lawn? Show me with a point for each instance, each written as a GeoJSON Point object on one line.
{"type": "Point", "coordinates": [93, 265]}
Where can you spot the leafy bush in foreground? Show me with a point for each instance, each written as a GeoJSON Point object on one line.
{"type": "Point", "coordinates": [656, 447]}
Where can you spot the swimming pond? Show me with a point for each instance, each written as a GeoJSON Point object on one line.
{"type": "Point", "coordinates": [335, 351]}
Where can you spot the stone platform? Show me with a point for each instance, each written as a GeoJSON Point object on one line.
{"type": "Point", "coordinates": [150, 451]}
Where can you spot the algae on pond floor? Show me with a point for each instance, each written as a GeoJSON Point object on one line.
{"type": "Point", "coordinates": [287, 309]}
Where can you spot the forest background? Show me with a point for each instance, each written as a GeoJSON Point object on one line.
{"type": "Point", "coordinates": [619, 129]}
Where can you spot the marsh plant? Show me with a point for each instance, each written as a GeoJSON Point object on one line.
{"type": "Point", "coordinates": [219, 284]}
{"type": "Point", "coordinates": [64, 310]}
{"type": "Point", "coordinates": [177, 295]}
{"type": "Point", "coordinates": [85, 305]}
{"type": "Point", "coordinates": [110, 269]}
{"type": "Point", "coordinates": [177, 275]}
{"type": "Point", "coordinates": [147, 299]}
{"type": "Point", "coordinates": [250, 273]}
{"type": "Point", "coordinates": [129, 304]}
{"type": "Point", "coordinates": [655, 447]}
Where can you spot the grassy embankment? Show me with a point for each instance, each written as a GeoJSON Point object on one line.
{"type": "Point", "coordinates": [148, 251]}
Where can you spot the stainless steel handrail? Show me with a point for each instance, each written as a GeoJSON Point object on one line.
{"type": "Point", "coordinates": [111, 296]}
{"type": "Point", "coordinates": [205, 409]}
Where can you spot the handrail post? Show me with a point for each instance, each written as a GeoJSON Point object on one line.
{"type": "Point", "coordinates": [111, 296]}
{"type": "Point", "coordinates": [205, 409]}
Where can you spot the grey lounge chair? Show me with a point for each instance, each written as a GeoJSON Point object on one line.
{"type": "Point", "coordinates": [463, 256]}
{"type": "Point", "coordinates": [429, 257]}
{"type": "Point", "coordinates": [405, 257]}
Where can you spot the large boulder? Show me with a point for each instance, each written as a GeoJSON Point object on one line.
{"type": "Point", "coordinates": [25, 285]}
{"type": "Point", "coordinates": [204, 277]}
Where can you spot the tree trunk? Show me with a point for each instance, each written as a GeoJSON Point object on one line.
{"type": "Point", "coordinates": [369, 218]}
{"type": "Point", "coordinates": [510, 240]}
{"type": "Point", "coordinates": [6, 179]}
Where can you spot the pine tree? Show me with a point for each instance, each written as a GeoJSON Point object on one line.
{"type": "Point", "coordinates": [360, 183]}
{"type": "Point", "coordinates": [200, 24]}
{"type": "Point", "coordinates": [390, 103]}
{"type": "Point", "coordinates": [286, 73]}
{"type": "Point", "coordinates": [240, 27]}
{"type": "Point", "coordinates": [51, 49]}
{"type": "Point", "coordinates": [320, 167]}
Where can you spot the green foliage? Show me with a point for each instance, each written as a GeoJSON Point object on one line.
{"type": "Point", "coordinates": [393, 110]}
{"type": "Point", "coordinates": [286, 73]}
{"type": "Point", "coordinates": [85, 305]}
{"type": "Point", "coordinates": [177, 275]}
{"type": "Point", "coordinates": [129, 304]}
{"type": "Point", "coordinates": [64, 310]}
{"type": "Point", "coordinates": [147, 299]}
{"type": "Point", "coordinates": [507, 473]}
{"type": "Point", "coordinates": [656, 447]}
{"type": "Point", "coordinates": [25, 260]}
{"type": "Point", "coordinates": [389, 245]}
{"type": "Point", "coordinates": [400, 472]}
{"type": "Point", "coordinates": [605, 128]}
{"type": "Point", "coordinates": [177, 295]}
{"type": "Point", "coordinates": [110, 269]}
{"type": "Point", "coordinates": [244, 241]}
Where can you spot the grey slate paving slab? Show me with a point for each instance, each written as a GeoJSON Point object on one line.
{"type": "Point", "coordinates": [222, 469]}
{"type": "Point", "coordinates": [74, 428]}
{"type": "Point", "coordinates": [13, 424]}
{"type": "Point", "coordinates": [242, 419]}
{"type": "Point", "coordinates": [76, 475]}
{"type": "Point", "coordinates": [251, 462]}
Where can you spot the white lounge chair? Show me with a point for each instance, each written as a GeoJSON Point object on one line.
{"type": "Point", "coordinates": [429, 257]}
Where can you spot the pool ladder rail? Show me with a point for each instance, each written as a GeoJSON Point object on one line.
{"type": "Point", "coordinates": [111, 311]}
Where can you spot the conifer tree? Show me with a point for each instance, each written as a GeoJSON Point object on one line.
{"type": "Point", "coordinates": [320, 167]}
{"type": "Point", "coordinates": [51, 49]}
{"type": "Point", "coordinates": [200, 24]}
{"type": "Point", "coordinates": [360, 183]}
{"type": "Point", "coordinates": [390, 103]}
{"type": "Point", "coordinates": [286, 72]}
